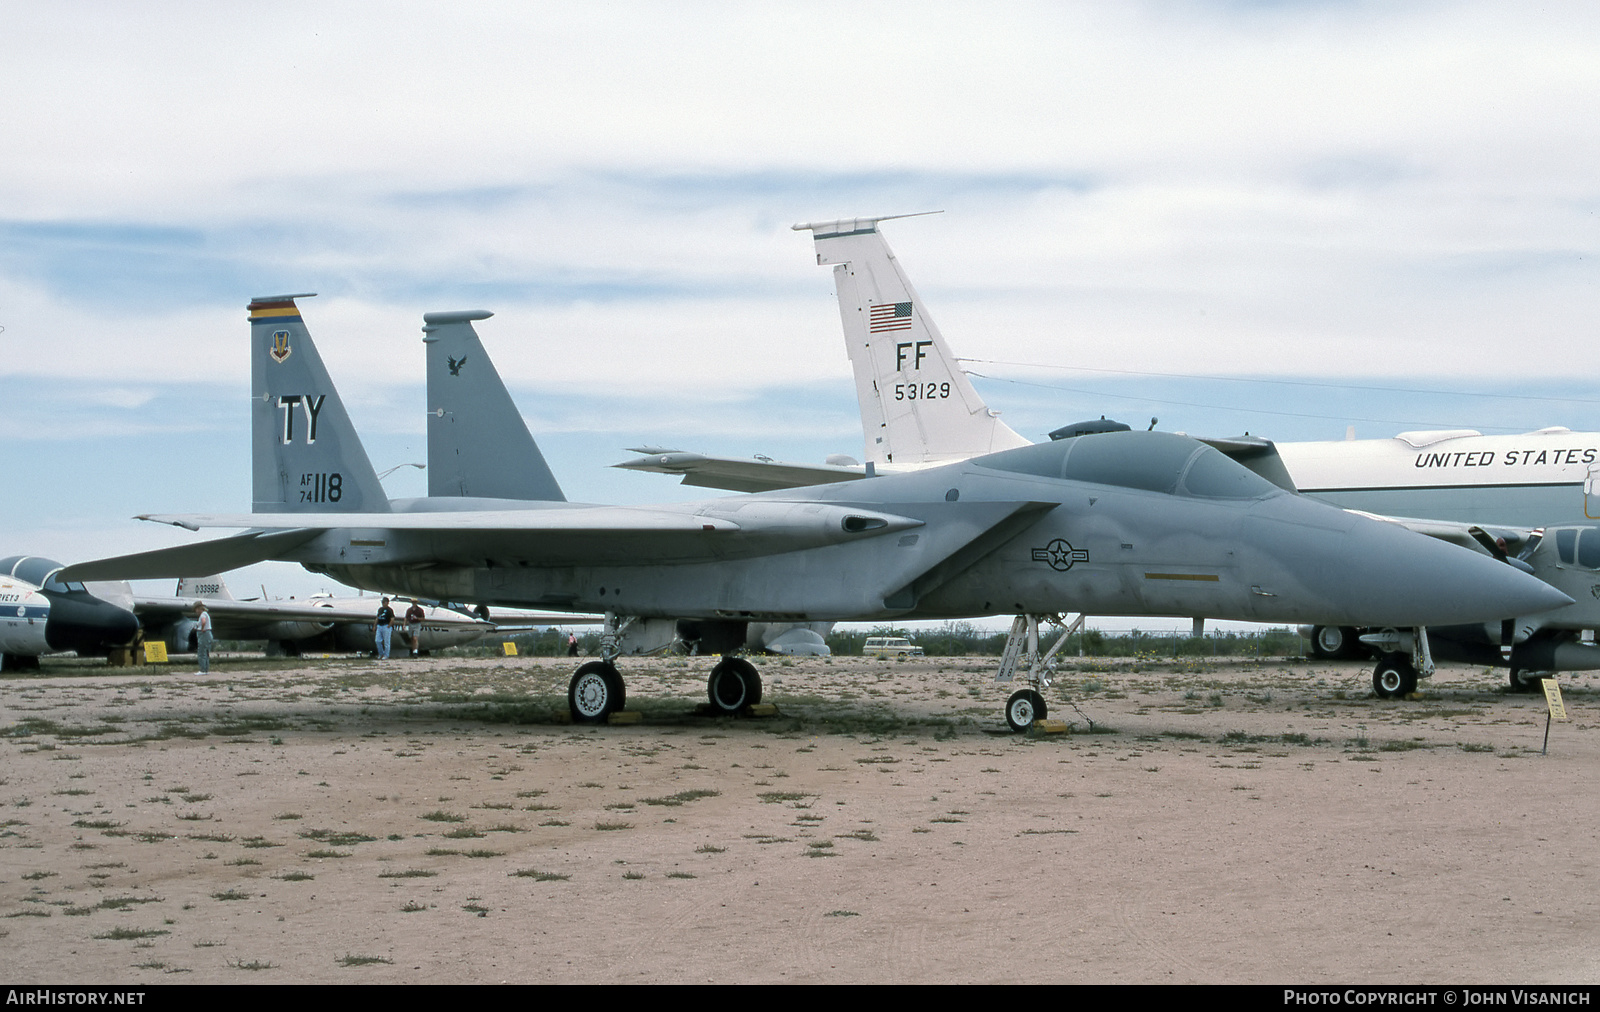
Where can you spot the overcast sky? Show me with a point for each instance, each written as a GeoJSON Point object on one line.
{"type": "Point", "coordinates": [1146, 204]}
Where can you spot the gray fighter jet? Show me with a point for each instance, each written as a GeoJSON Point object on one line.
{"type": "Point", "coordinates": [479, 445]}
{"type": "Point", "coordinates": [1127, 523]}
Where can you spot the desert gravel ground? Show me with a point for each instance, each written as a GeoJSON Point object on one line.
{"type": "Point", "coordinates": [346, 820]}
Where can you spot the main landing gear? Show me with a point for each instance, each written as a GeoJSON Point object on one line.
{"type": "Point", "coordinates": [1394, 677]}
{"type": "Point", "coordinates": [1023, 708]}
{"type": "Point", "coordinates": [1026, 706]}
{"type": "Point", "coordinates": [1522, 681]}
{"type": "Point", "coordinates": [733, 685]}
{"type": "Point", "coordinates": [597, 690]}
{"type": "Point", "coordinates": [1397, 671]}
{"type": "Point", "coordinates": [1335, 642]}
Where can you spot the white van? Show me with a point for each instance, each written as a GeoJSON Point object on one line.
{"type": "Point", "coordinates": [890, 646]}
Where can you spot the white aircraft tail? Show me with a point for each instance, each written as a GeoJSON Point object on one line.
{"type": "Point", "coordinates": [203, 588]}
{"type": "Point", "coordinates": [479, 445]}
{"type": "Point", "coordinates": [306, 456]}
{"type": "Point", "coordinates": [917, 405]}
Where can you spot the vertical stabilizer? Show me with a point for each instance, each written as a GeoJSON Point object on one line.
{"type": "Point", "coordinates": [203, 588]}
{"type": "Point", "coordinates": [917, 405]}
{"type": "Point", "coordinates": [478, 443]}
{"type": "Point", "coordinates": [306, 456]}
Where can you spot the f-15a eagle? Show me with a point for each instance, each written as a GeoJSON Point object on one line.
{"type": "Point", "coordinates": [1535, 495]}
{"type": "Point", "coordinates": [1125, 523]}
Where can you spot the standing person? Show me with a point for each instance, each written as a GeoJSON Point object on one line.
{"type": "Point", "coordinates": [382, 629]}
{"type": "Point", "coordinates": [572, 644]}
{"type": "Point", "coordinates": [203, 637]}
{"type": "Point", "coordinates": [414, 617]}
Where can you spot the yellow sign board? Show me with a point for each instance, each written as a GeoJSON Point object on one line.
{"type": "Point", "coordinates": [510, 648]}
{"type": "Point", "coordinates": [1552, 699]}
{"type": "Point", "coordinates": [155, 652]}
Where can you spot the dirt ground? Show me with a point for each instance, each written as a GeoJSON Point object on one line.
{"type": "Point", "coordinates": [344, 820]}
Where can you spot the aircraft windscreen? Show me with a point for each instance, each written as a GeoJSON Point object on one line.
{"type": "Point", "coordinates": [33, 569]}
{"type": "Point", "coordinates": [1589, 549]}
{"type": "Point", "coordinates": [1149, 460]}
{"type": "Point", "coordinates": [1153, 461]}
{"type": "Point", "coordinates": [1566, 542]}
{"type": "Point", "coordinates": [1215, 475]}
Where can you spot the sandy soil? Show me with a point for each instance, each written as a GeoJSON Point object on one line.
{"type": "Point", "coordinates": [435, 821]}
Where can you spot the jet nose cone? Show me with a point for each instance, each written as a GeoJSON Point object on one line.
{"type": "Point", "coordinates": [124, 626]}
{"type": "Point", "coordinates": [87, 625]}
{"type": "Point", "coordinates": [1437, 583]}
{"type": "Point", "coordinates": [1379, 573]}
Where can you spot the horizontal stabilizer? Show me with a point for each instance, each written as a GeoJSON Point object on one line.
{"type": "Point", "coordinates": [738, 474]}
{"type": "Point", "coordinates": [1259, 455]}
{"type": "Point", "coordinates": [192, 560]}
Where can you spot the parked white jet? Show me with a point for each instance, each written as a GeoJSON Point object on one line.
{"type": "Point", "coordinates": [24, 612]}
{"type": "Point", "coordinates": [43, 614]}
{"type": "Point", "coordinates": [291, 626]}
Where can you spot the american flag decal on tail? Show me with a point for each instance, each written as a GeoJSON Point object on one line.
{"type": "Point", "coordinates": [889, 316]}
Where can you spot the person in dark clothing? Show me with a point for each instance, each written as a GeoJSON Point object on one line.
{"type": "Point", "coordinates": [382, 629]}
{"type": "Point", "coordinates": [414, 617]}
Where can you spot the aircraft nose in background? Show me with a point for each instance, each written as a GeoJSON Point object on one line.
{"type": "Point", "coordinates": [88, 625]}
{"type": "Point", "coordinates": [1380, 574]}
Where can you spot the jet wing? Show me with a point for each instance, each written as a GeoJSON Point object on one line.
{"type": "Point", "coordinates": [191, 560]}
{"type": "Point", "coordinates": [225, 613]}
{"type": "Point", "coordinates": [740, 474]}
{"type": "Point", "coordinates": [562, 534]}
{"type": "Point", "coordinates": [560, 517]}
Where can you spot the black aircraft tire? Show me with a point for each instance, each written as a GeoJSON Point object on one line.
{"type": "Point", "coordinates": [1326, 642]}
{"type": "Point", "coordinates": [1024, 708]}
{"type": "Point", "coordinates": [1521, 685]}
{"type": "Point", "coordinates": [593, 694]}
{"type": "Point", "coordinates": [619, 689]}
{"type": "Point", "coordinates": [733, 685]}
{"type": "Point", "coordinates": [1336, 643]}
{"type": "Point", "coordinates": [1394, 677]}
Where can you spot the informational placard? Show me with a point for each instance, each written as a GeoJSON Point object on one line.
{"type": "Point", "coordinates": [1552, 698]}
{"type": "Point", "coordinates": [1555, 709]}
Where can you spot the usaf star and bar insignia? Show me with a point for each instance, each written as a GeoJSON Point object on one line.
{"type": "Point", "coordinates": [1060, 555]}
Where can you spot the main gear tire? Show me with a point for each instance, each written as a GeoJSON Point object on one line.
{"type": "Point", "coordinates": [1335, 643]}
{"type": "Point", "coordinates": [1024, 708]}
{"type": "Point", "coordinates": [1394, 677]}
{"type": "Point", "coordinates": [595, 693]}
{"type": "Point", "coordinates": [733, 685]}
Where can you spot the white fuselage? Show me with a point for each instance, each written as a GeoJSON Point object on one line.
{"type": "Point", "coordinates": [440, 627]}
{"type": "Point", "coordinates": [1535, 479]}
{"type": "Point", "coordinates": [23, 615]}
